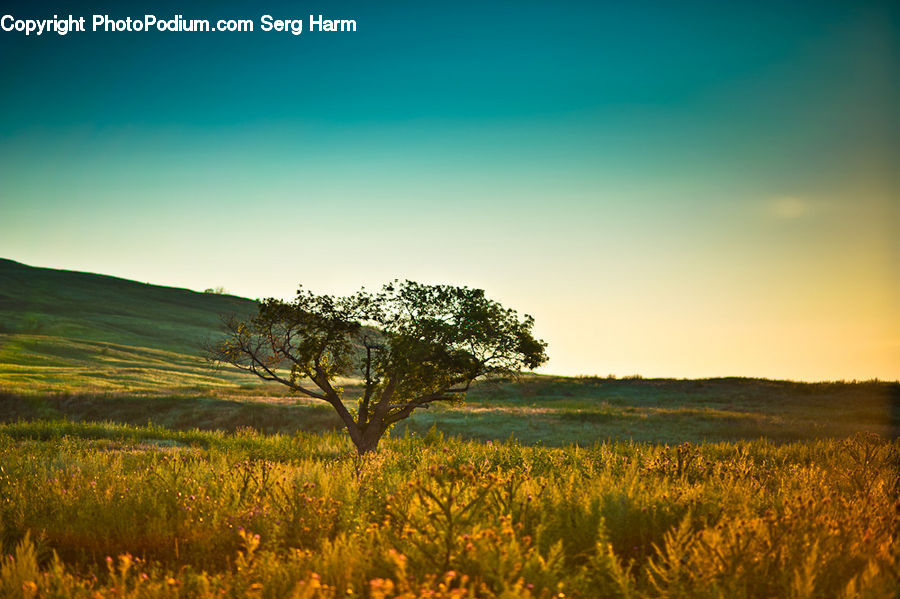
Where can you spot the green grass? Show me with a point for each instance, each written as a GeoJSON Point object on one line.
{"type": "Point", "coordinates": [98, 308]}
{"type": "Point", "coordinates": [547, 411]}
{"type": "Point", "coordinates": [41, 363]}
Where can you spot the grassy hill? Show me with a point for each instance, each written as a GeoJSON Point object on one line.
{"type": "Point", "coordinates": [74, 331]}
{"type": "Point", "coordinates": [99, 308]}
{"type": "Point", "coordinates": [91, 347]}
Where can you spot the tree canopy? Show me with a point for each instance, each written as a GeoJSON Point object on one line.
{"type": "Point", "coordinates": [410, 345]}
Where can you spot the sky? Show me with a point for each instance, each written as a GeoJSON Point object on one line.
{"type": "Point", "coordinates": [681, 189]}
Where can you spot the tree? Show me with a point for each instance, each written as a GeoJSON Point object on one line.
{"type": "Point", "coordinates": [410, 345]}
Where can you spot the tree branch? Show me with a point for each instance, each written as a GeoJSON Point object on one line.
{"type": "Point", "coordinates": [274, 377]}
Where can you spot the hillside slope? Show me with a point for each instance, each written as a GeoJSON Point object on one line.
{"type": "Point", "coordinates": [99, 308]}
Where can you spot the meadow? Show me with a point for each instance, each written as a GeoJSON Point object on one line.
{"type": "Point", "coordinates": [99, 510]}
{"type": "Point", "coordinates": [130, 468]}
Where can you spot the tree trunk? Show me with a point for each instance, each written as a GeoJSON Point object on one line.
{"type": "Point", "coordinates": [368, 440]}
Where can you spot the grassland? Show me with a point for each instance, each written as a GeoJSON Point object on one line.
{"type": "Point", "coordinates": [130, 468]}
{"type": "Point", "coordinates": [550, 411]}
{"type": "Point", "coordinates": [150, 512]}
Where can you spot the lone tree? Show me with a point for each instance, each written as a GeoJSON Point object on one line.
{"type": "Point", "coordinates": [411, 345]}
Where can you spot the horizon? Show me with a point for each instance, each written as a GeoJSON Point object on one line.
{"type": "Point", "coordinates": [691, 191]}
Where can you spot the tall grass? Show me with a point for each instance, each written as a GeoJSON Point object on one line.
{"type": "Point", "coordinates": [115, 511]}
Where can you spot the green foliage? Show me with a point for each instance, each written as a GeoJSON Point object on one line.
{"type": "Point", "coordinates": [149, 512]}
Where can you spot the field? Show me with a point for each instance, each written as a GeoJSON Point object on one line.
{"type": "Point", "coordinates": [130, 468]}
{"type": "Point", "coordinates": [148, 512]}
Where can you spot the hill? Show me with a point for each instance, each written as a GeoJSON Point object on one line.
{"type": "Point", "coordinates": [64, 331]}
{"type": "Point", "coordinates": [100, 308]}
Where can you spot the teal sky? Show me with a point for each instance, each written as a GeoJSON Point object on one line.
{"type": "Point", "coordinates": [671, 189]}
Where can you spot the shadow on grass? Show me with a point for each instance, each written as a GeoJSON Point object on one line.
{"type": "Point", "coordinates": [172, 412]}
